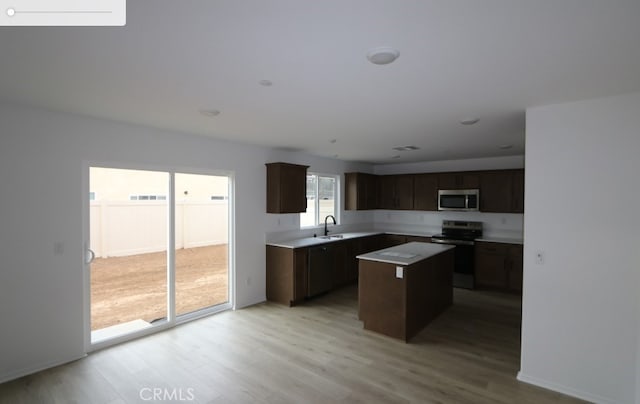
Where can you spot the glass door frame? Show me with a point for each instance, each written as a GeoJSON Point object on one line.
{"type": "Point", "coordinates": [172, 319]}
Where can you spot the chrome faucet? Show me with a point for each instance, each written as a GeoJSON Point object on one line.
{"type": "Point", "coordinates": [326, 231]}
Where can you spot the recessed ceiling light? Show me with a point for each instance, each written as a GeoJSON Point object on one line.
{"type": "Point", "coordinates": [505, 146]}
{"type": "Point", "coordinates": [406, 148]}
{"type": "Point", "coordinates": [469, 121]}
{"type": "Point", "coordinates": [210, 112]}
{"type": "Point", "coordinates": [382, 55]}
{"type": "Point", "coordinates": [266, 83]}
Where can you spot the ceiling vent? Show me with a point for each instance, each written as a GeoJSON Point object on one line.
{"type": "Point", "coordinates": [406, 148]}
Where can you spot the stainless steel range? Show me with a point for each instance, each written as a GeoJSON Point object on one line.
{"type": "Point", "coordinates": [462, 234]}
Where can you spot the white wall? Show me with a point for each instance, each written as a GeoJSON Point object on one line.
{"type": "Point", "coordinates": [42, 157]}
{"type": "Point", "coordinates": [488, 163]}
{"type": "Point", "coordinates": [580, 308]}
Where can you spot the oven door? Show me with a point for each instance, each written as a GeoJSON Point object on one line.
{"type": "Point", "coordinates": [464, 268]}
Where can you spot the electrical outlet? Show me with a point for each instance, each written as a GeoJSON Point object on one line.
{"type": "Point", "coordinates": [539, 257]}
{"type": "Point", "coordinates": [399, 272]}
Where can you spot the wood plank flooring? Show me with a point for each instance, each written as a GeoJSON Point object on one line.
{"type": "Point", "coordinates": [313, 353]}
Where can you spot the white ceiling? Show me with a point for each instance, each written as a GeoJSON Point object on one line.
{"type": "Point", "coordinates": [458, 59]}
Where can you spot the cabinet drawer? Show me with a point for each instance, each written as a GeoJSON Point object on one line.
{"type": "Point", "coordinates": [484, 247]}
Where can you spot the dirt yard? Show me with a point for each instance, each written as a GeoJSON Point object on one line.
{"type": "Point", "coordinates": [135, 287]}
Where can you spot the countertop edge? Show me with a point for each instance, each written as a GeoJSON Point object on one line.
{"type": "Point", "coordinates": [502, 240]}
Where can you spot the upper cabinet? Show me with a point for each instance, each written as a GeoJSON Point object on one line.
{"type": "Point", "coordinates": [361, 191]}
{"type": "Point", "coordinates": [502, 191]}
{"type": "Point", "coordinates": [459, 180]}
{"type": "Point", "coordinates": [396, 192]}
{"type": "Point", "coordinates": [286, 188]}
{"type": "Point", "coordinates": [517, 191]}
{"type": "Point", "coordinates": [425, 192]}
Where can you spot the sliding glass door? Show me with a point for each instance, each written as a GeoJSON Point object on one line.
{"type": "Point", "coordinates": [158, 250]}
{"type": "Point", "coordinates": [202, 242]}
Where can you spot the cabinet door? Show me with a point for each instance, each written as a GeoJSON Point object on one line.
{"type": "Point", "coordinates": [338, 251]}
{"type": "Point", "coordinates": [517, 191]}
{"type": "Point", "coordinates": [459, 180]}
{"type": "Point", "coordinates": [396, 192]}
{"type": "Point", "coordinates": [286, 188]}
{"type": "Point", "coordinates": [387, 192]}
{"type": "Point", "coordinates": [404, 192]}
{"type": "Point", "coordinates": [391, 240]}
{"type": "Point", "coordinates": [300, 259]}
{"type": "Point", "coordinates": [515, 268]}
{"type": "Point", "coordinates": [490, 265]}
{"type": "Point", "coordinates": [360, 191]}
{"type": "Point", "coordinates": [425, 192]}
{"type": "Point", "coordinates": [371, 191]}
{"type": "Point", "coordinates": [352, 190]}
{"type": "Point", "coordinates": [294, 189]}
{"type": "Point", "coordinates": [496, 191]}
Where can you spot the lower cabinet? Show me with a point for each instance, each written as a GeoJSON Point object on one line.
{"type": "Point", "coordinates": [498, 266]}
{"type": "Point", "coordinates": [288, 268]}
{"type": "Point", "coordinates": [287, 274]}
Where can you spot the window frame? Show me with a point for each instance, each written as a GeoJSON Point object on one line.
{"type": "Point", "coordinates": [318, 222]}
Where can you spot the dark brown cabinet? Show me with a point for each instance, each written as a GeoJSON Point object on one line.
{"type": "Point", "coordinates": [286, 188]}
{"type": "Point", "coordinates": [502, 191]}
{"type": "Point", "coordinates": [339, 253]}
{"type": "Point", "coordinates": [286, 281]}
{"type": "Point", "coordinates": [459, 180]}
{"type": "Point", "coordinates": [420, 239]}
{"type": "Point", "coordinates": [288, 268]}
{"type": "Point", "coordinates": [361, 191]}
{"type": "Point", "coordinates": [425, 192]}
{"type": "Point", "coordinates": [390, 240]}
{"type": "Point", "coordinates": [514, 277]}
{"type": "Point", "coordinates": [498, 266]}
{"type": "Point", "coordinates": [396, 192]}
{"type": "Point", "coordinates": [517, 191]}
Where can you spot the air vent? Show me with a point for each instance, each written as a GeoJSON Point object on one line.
{"type": "Point", "coordinates": [406, 148]}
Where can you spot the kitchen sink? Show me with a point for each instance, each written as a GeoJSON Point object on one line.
{"type": "Point", "coordinates": [330, 237]}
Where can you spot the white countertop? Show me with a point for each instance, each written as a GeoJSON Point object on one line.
{"type": "Point", "coordinates": [505, 240]}
{"type": "Point", "coordinates": [311, 241]}
{"type": "Point", "coordinates": [406, 254]}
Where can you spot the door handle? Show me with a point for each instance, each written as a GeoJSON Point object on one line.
{"type": "Point", "coordinates": [90, 256]}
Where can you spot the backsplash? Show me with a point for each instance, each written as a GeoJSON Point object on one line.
{"type": "Point", "coordinates": [287, 227]}
{"type": "Point", "coordinates": [508, 225]}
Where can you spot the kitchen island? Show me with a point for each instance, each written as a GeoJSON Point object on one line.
{"type": "Point", "coordinates": [402, 288]}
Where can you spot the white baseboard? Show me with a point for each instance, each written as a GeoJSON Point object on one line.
{"type": "Point", "coordinates": [36, 368]}
{"type": "Point", "coordinates": [564, 389]}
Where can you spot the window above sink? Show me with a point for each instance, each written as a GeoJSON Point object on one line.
{"type": "Point", "coordinates": [322, 199]}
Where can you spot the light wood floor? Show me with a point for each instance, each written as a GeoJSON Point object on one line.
{"type": "Point", "coordinates": [314, 353]}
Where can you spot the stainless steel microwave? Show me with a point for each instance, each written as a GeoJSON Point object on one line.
{"type": "Point", "coordinates": [459, 199]}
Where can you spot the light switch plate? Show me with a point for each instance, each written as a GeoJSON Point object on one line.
{"type": "Point", "coordinates": [399, 272]}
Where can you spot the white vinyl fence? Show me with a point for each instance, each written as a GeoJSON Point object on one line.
{"type": "Point", "coordinates": [138, 227]}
